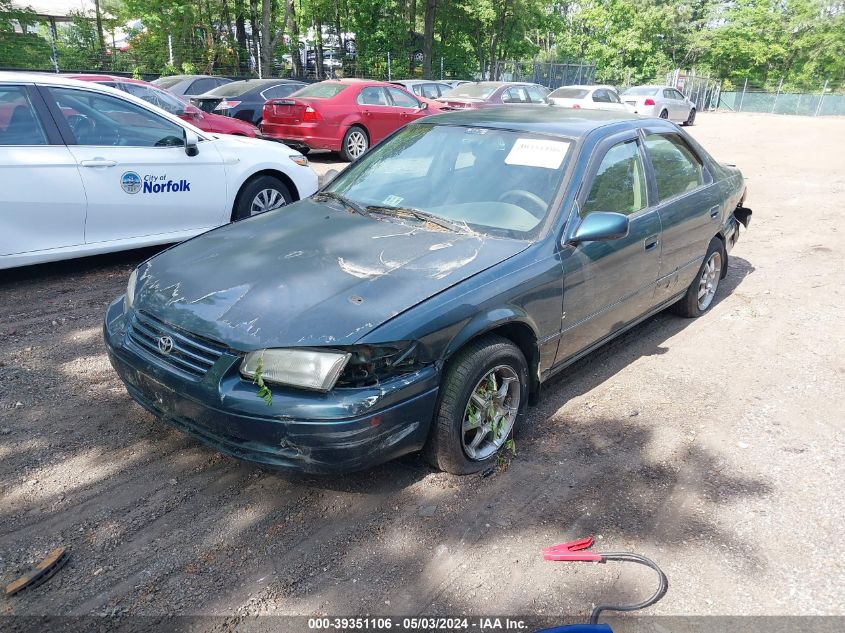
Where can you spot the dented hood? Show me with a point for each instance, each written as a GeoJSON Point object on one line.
{"type": "Point", "coordinates": [308, 274]}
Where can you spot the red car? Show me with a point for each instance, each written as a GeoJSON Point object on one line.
{"type": "Point", "coordinates": [169, 102]}
{"type": "Point", "coordinates": [345, 115]}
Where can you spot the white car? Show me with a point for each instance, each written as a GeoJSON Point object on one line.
{"type": "Point", "coordinates": [665, 102]}
{"type": "Point", "coordinates": [587, 97]}
{"type": "Point", "coordinates": [87, 169]}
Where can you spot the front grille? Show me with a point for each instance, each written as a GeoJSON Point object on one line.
{"type": "Point", "coordinates": [190, 354]}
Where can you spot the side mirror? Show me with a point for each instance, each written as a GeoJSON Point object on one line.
{"type": "Point", "coordinates": [601, 225]}
{"type": "Point", "coordinates": [191, 142]}
{"type": "Point", "coordinates": [326, 178]}
{"type": "Point", "coordinates": [423, 105]}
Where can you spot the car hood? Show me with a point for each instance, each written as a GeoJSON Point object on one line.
{"type": "Point", "coordinates": [307, 274]}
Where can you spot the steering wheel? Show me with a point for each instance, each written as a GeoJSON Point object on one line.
{"type": "Point", "coordinates": [533, 198]}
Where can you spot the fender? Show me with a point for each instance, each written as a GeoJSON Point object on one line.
{"type": "Point", "coordinates": [513, 323]}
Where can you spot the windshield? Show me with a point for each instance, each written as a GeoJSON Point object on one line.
{"type": "Point", "coordinates": [320, 91]}
{"type": "Point", "coordinates": [569, 93]}
{"type": "Point", "coordinates": [472, 91]}
{"type": "Point", "coordinates": [168, 82]}
{"type": "Point", "coordinates": [642, 90]}
{"type": "Point", "coordinates": [498, 182]}
{"type": "Point", "coordinates": [237, 88]}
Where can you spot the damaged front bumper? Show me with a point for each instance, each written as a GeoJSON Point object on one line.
{"type": "Point", "coordinates": [340, 431]}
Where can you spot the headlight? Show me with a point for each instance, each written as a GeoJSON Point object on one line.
{"type": "Point", "coordinates": [370, 364]}
{"type": "Point", "coordinates": [299, 159]}
{"type": "Point", "coordinates": [129, 301]}
{"type": "Point", "coordinates": [305, 368]}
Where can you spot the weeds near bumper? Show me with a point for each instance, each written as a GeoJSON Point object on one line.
{"type": "Point", "coordinates": [258, 379]}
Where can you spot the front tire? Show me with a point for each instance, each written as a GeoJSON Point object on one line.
{"type": "Point", "coordinates": [483, 396]}
{"type": "Point", "coordinates": [702, 291]}
{"type": "Point", "coordinates": [691, 118]}
{"type": "Point", "coordinates": [355, 144]}
{"type": "Point", "coordinates": [259, 195]}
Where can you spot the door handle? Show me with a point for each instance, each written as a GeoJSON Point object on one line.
{"type": "Point", "coordinates": [714, 212]}
{"type": "Point", "coordinates": [98, 162]}
{"type": "Point", "coordinates": [651, 242]}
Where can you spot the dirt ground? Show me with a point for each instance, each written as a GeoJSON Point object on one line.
{"type": "Point", "coordinates": [714, 446]}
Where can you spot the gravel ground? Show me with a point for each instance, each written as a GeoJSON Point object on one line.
{"type": "Point", "coordinates": [714, 446]}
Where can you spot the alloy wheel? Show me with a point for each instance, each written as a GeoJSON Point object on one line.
{"type": "Point", "coordinates": [709, 281]}
{"type": "Point", "coordinates": [266, 200]}
{"type": "Point", "coordinates": [356, 144]}
{"type": "Point", "coordinates": [490, 413]}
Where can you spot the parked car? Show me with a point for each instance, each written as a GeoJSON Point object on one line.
{"type": "Point", "coordinates": [163, 99]}
{"type": "Point", "coordinates": [660, 101]}
{"type": "Point", "coordinates": [245, 99]}
{"type": "Point", "coordinates": [454, 82]}
{"type": "Point", "coordinates": [587, 97]}
{"type": "Point", "coordinates": [190, 85]}
{"type": "Point", "coordinates": [420, 299]}
{"type": "Point", "coordinates": [424, 87]}
{"type": "Point", "coordinates": [88, 169]}
{"type": "Point", "coordinates": [484, 94]}
{"type": "Point", "coordinates": [344, 115]}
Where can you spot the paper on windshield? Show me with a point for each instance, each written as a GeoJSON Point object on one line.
{"type": "Point", "coordinates": [537, 152]}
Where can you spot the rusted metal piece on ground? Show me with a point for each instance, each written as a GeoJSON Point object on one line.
{"type": "Point", "coordinates": [44, 570]}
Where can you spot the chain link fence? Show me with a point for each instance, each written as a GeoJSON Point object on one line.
{"type": "Point", "coordinates": [828, 100]}
{"type": "Point", "coordinates": [549, 74]}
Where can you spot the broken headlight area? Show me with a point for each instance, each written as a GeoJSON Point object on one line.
{"type": "Point", "coordinates": [313, 369]}
{"type": "Point", "coordinates": [369, 365]}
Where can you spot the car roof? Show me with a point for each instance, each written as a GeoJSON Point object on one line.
{"type": "Point", "coordinates": [414, 82]}
{"type": "Point", "coordinates": [587, 87]}
{"type": "Point", "coordinates": [186, 77]}
{"type": "Point", "coordinates": [540, 119]}
{"type": "Point", "coordinates": [114, 78]}
{"type": "Point", "coordinates": [47, 79]}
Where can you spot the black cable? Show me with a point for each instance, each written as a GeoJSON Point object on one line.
{"type": "Point", "coordinates": [642, 560]}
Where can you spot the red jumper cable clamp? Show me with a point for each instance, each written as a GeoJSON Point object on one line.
{"type": "Point", "coordinates": [573, 551]}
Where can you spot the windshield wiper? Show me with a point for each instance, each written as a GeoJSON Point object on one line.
{"type": "Point", "coordinates": [346, 202]}
{"type": "Point", "coordinates": [420, 215]}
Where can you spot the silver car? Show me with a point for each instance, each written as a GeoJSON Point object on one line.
{"type": "Point", "coordinates": [665, 102]}
{"type": "Point", "coordinates": [190, 85]}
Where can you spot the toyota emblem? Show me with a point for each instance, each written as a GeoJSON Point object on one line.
{"type": "Point", "coordinates": [165, 344]}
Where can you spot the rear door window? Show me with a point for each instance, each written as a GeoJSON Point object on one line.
{"type": "Point", "coordinates": [19, 122]}
{"type": "Point", "coordinates": [600, 96]}
{"type": "Point", "coordinates": [373, 95]}
{"type": "Point", "coordinates": [677, 170]}
{"type": "Point", "coordinates": [515, 95]}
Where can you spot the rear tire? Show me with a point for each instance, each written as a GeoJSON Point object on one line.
{"type": "Point", "coordinates": [475, 417]}
{"type": "Point", "coordinates": [691, 118]}
{"type": "Point", "coordinates": [664, 114]}
{"type": "Point", "coordinates": [702, 291]}
{"type": "Point", "coordinates": [355, 143]}
{"type": "Point", "coordinates": [259, 195]}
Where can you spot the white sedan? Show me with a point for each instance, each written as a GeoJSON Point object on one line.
{"type": "Point", "coordinates": [587, 97]}
{"type": "Point", "coordinates": [86, 169]}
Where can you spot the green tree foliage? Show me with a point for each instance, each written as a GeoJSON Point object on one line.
{"type": "Point", "coordinates": [799, 42]}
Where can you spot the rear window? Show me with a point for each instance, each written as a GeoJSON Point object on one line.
{"type": "Point", "coordinates": [167, 82]}
{"type": "Point", "coordinates": [473, 91]}
{"type": "Point", "coordinates": [642, 90]}
{"type": "Point", "coordinates": [569, 93]}
{"type": "Point", "coordinates": [234, 89]}
{"type": "Point", "coordinates": [321, 91]}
